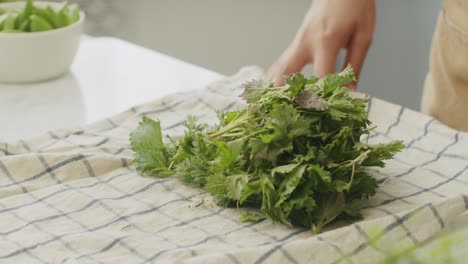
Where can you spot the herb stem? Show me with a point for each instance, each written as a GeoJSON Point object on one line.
{"type": "Point", "coordinates": [175, 156]}
{"type": "Point", "coordinates": [231, 126]}
{"type": "Point", "coordinates": [353, 163]}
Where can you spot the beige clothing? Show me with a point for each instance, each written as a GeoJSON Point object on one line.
{"type": "Point", "coordinates": [446, 90]}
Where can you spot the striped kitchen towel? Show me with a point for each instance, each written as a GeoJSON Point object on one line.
{"type": "Point", "coordinates": [73, 196]}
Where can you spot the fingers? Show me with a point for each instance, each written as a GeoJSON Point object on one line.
{"type": "Point", "coordinates": [361, 41]}
{"type": "Point", "coordinates": [357, 52]}
{"type": "Point", "coordinates": [329, 26]}
{"type": "Point", "coordinates": [292, 60]}
{"type": "Point", "coordinates": [325, 59]}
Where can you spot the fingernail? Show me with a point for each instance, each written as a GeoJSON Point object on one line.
{"type": "Point", "coordinates": [352, 86]}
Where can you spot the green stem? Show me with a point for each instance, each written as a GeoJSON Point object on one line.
{"type": "Point", "coordinates": [174, 157]}
{"type": "Point", "coordinates": [353, 163]}
{"type": "Point", "coordinates": [254, 134]}
{"type": "Point", "coordinates": [236, 134]}
{"type": "Point", "coordinates": [221, 132]}
{"type": "Point", "coordinates": [231, 126]}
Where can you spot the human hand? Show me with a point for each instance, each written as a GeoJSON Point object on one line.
{"type": "Point", "coordinates": [329, 26]}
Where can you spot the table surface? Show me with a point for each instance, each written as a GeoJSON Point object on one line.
{"type": "Point", "coordinates": [107, 77]}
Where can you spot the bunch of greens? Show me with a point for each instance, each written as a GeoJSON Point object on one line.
{"type": "Point", "coordinates": [32, 18]}
{"type": "Point", "coordinates": [294, 153]}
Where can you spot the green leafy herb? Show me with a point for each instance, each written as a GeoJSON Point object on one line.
{"type": "Point", "coordinates": [294, 153]}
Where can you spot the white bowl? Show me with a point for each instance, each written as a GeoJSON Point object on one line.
{"type": "Point", "coordinates": [38, 56]}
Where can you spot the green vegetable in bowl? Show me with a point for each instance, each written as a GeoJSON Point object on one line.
{"type": "Point", "coordinates": [38, 24]}
{"type": "Point", "coordinates": [36, 19]}
{"type": "Point", "coordinates": [295, 153]}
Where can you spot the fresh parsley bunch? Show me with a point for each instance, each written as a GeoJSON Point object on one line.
{"type": "Point", "coordinates": [295, 153]}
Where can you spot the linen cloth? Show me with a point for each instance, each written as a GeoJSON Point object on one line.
{"type": "Point", "coordinates": [73, 196]}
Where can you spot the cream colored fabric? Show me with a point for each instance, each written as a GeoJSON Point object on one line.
{"type": "Point", "coordinates": [73, 196]}
{"type": "Point", "coordinates": [446, 90]}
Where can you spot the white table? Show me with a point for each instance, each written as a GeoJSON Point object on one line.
{"type": "Point", "coordinates": [108, 76]}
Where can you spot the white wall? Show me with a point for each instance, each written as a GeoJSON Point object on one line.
{"type": "Point", "coordinates": [398, 60]}
{"type": "Point", "coordinates": [225, 35]}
